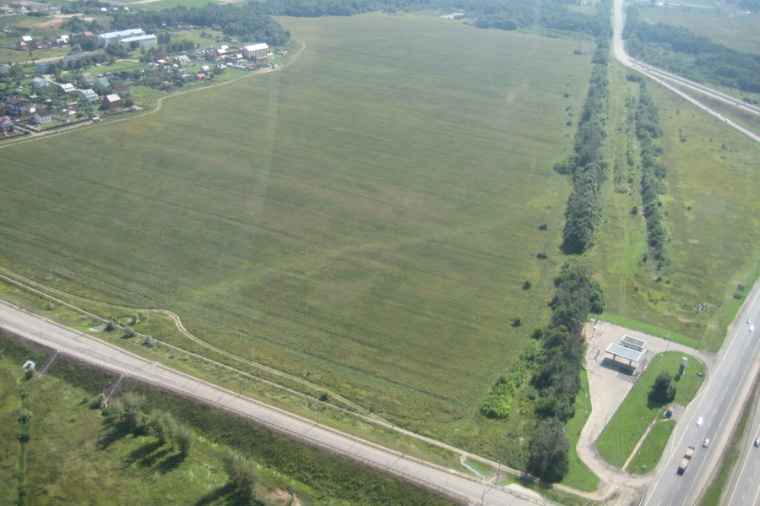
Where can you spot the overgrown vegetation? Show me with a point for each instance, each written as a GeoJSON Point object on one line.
{"type": "Point", "coordinates": [680, 50]}
{"type": "Point", "coordinates": [652, 174]}
{"type": "Point", "coordinates": [585, 165]}
{"type": "Point", "coordinates": [141, 449]}
{"type": "Point", "coordinates": [554, 371]}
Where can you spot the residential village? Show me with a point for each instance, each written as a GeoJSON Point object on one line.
{"type": "Point", "coordinates": [93, 84]}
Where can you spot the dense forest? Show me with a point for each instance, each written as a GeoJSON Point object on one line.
{"type": "Point", "coordinates": [680, 50]}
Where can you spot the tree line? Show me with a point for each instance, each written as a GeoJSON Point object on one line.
{"type": "Point", "coordinates": [254, 21]}
{"type": "Point", "coordinates": [680, 50]}
{"type": "Point", "coordinates": [653, 174]}
{"type": "Point", "coordinates": [558, 369]}
{"type": "Point", "coordinates": [585, 165]}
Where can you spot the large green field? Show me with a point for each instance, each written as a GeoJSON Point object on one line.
{"type": "Point", "coordinates": [365, 217]}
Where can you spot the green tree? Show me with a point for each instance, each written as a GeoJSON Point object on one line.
{"type": "Point", "coordinates": [241, 473]}
{"type": "Point", "coordinates": [549, 450]}
{"type": "Point", "coordinates": [663, 390]}
{"type": "Point", "coordinates": [184, 439]}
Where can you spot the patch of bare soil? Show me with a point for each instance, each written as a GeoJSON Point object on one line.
{"type": "Point", "coordinates": [58, 20]}
{"type": "Point", "coordinates": [280, 496]}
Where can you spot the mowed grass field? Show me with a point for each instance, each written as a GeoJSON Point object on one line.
{"type": "Point", "coordinates": [711, 217]}
{"type": "Point", "coordinates": [364, 218]}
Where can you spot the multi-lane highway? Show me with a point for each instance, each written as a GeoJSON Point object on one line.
{"type": "Point", "coordinates": [711, 416]}
{"type": "Point", "coordinates": [744, 489]}
{"type": "Point", "coordinates": [707, 422]}
{"type": "Point", "coordinates": [675, 83]}
{"type": "Point", "coordinates": [101, 354]}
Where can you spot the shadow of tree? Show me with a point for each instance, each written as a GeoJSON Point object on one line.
{"type": "Point", "coordinates": [147, 455]}
{"type": "Point", "coordinates": [171, 463]}
{"type": "Point", "coordinates": [111, 434]}
{"type": "Point", "coordinates": [216, 496]}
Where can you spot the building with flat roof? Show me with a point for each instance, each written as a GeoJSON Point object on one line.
{"type": "Point", "coordinates": [141, 40]}
{"type": "Point", "coordinates": [260, 50]}
{"type": "Point", "coordinates": [115, 37]}
{"type": "Point", "coordinates": [634, 344]}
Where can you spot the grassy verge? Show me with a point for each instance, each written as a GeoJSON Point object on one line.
{"type": "Point", "coordinates": [652, 330]}
{"type": "Point", "coordinates": [75, 457]}
{"type": "Point", "coordinates": [246, 380]}
{"type": "Point", "coordinates": [650, 451]}
{"type": "Point", "coordinates": [634, 415]}
{"type": "Point", "coordinates": [579, 476]}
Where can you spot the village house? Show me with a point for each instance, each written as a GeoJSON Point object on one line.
{"type": "Point", "coordinates": [87, 79]}
{"type": "Point", "coordinates": [40, 82]}
{"type": "Point", "coordinates": [112, 101]}
{"type": "Point", "coordinates": [43, 116]}
{"type": "Point", "coordinates": [66, 88]}
{"type": "Point", "coordinates": [88, 95]}
{"type": "Point", "coordinates": [119, 87]}
{"type": "Point", "coordinates": [16, 106]}
{"type": "Point", "coordinates": [6, 125]}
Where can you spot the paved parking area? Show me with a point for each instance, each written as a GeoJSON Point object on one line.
{"type": "Point", "coordinates": [610, 382]}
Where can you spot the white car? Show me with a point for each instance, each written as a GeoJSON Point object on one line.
{"type": "Point", "coordinates": [706, 442]}
{"type": "Point", "coordinates": [757, 442]}
{"type": "Point", "coordinates": [700, 420]}
{"type": "Point", "coordinates": [748, 321]}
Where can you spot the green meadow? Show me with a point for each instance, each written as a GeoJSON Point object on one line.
{"type": "Point", "coordinates": [364, 218]}
{"type": "Point", "coordinates": [711, 217]}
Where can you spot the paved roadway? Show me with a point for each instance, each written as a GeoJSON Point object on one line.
{"type": "Point", "coordinates": [715, 411]}
{"type": "Point", "coordinates": [744, 488]}
{"type": "Point", "coordinates": [669, 81]}
{"type": "Point", "coordinates": [101, 354]}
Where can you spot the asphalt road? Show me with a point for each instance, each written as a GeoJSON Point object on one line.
{"type": "Point", "coordinates": [711, 415]}
{"type": "Point", "coordinates": [744, 489]}
{"type": "Point", "coordinates": [715, 411]}
{"type": "Point", "coordinates": [101, 354]}
{"type": "Point", "coordinates": [675, 83]}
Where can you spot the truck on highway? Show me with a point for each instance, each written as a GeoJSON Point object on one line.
{"type": "Point", "coordinates": [685, 460]}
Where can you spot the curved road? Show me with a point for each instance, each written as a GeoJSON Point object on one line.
{"type": "Point", "coordinates": [83, 347]}
{"type": "Point", "coordinates": [715, 411]}
{"type": "Point", "coordinates": [666, 78]}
